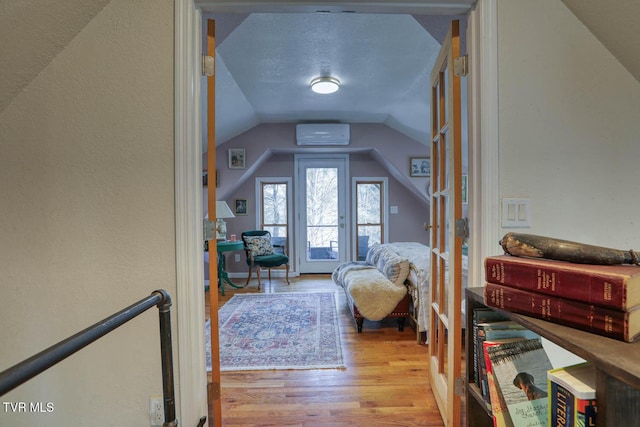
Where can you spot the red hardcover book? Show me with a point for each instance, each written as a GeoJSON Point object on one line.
{"type": "Point", "coordinates": [614, 286]}
{"type": "Point", "coordinates": [620, 325]}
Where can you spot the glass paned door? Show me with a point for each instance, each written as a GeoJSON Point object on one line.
{"type": "Point", "coordinates": [445, 299]}
{"type": "Point", "coordinates": [323, 214]}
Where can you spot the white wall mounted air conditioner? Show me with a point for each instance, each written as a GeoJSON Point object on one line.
{"type": "Point", "coordinates": [322, 134]}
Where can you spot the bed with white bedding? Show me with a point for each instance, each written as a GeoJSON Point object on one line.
{"type": "Point", "coordinates": [419, 277]}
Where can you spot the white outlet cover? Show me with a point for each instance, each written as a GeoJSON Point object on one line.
{"type": "Point", "coordinates": [156, 411]}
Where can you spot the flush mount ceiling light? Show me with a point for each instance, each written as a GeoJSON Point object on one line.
{"type": "Point", "coordinates": [325, 85]}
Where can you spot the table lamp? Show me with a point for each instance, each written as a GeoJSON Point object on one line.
{"type": "Point", "coordinates": [222, 211]}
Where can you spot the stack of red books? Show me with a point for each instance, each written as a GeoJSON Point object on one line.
{"type": "Point", "coordinates": [602, 299]}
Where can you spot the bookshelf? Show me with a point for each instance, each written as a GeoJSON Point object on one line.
{"type": "Point", "coordinates": [617, 367]}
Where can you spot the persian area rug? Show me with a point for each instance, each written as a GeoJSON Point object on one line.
{"type": "Point", "coordinates": [279, 331]}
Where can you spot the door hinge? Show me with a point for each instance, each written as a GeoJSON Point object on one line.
{"type": "Point", "coordinates": [209, 230]}
{"type": "Point", "coordinates": [459, 386]}
{"type": "Point", "coordinates": [461, 66]}
{"type": "Point", "coordinates": [208, 65]}
{"type": "Point", "coordinates": [462, 228]}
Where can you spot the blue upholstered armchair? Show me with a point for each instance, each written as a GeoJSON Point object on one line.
{"type": "Point", "coordinates": [263, 251]}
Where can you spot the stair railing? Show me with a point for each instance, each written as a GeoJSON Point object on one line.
{"type": "Point", "coordinates": [40, 362]}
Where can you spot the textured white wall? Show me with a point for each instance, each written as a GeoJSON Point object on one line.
{"type": "Point", "coordinates": [569, 130]}
{"type": "Point", "coordinates": [87, 216]}
{"type": "Point", "coordinates": [569, 126]}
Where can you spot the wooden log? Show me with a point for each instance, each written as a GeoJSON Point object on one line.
{"type": "Point", "coordinates": [534, 246]}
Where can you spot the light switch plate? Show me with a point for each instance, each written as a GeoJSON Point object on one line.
{"type": "Point", "coordinates": [516, 213]}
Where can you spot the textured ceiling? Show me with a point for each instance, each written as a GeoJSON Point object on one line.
{"type": "Point", "coordinates": [615, 24]}
{"type": "Point", "coordinates": [382, 61]}
{"type": "Point", "coordinates": [33, 32]}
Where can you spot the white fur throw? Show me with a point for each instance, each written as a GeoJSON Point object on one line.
{"type": "Point", "coordinates": [374, 289]}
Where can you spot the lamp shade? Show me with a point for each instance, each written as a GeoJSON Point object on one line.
{"type": "Point", "coordinates": [223, 210]}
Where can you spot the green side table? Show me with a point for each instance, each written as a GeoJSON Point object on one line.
{"type": "Point", "coordinates": [222, 247]}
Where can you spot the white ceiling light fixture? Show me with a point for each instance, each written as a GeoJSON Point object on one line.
{"type": "Point", "coordinates": [325, 85]}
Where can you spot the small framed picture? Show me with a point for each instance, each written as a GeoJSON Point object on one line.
{"type": "Point", "coordinates": [240, 207]}
{"type": "Point", "coordinates": [420, 166]}
{"type": "Point", "coordinates": [237, 159]}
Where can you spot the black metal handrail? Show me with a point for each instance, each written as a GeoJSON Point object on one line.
{"type": "Point", "coordinates": [38, 363]}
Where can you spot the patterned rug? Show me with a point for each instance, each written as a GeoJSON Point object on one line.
{"type": "Point", "coordinates": [279, 331]}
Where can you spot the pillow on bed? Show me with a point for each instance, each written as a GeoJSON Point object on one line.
{"type": "Point", "coordinates": [373, 254]}
{"type": "Point", "coordinates": [259, 245]}
{"type": "Point", "coordinates": [393, 266]}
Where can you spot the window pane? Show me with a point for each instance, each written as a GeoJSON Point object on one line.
{"type": "Point", "coordinates": [369, 203]}
{"type": "Point", "coordinates": [368, 216]}
{"type": "Point", "coordinates": [279, 238]}
{"type": "Point", "coordinates": [274, 202]}
{"type": "Point", "coordinates": [368, 235]}
{"type": "Point", "coordinates": [322, 213]}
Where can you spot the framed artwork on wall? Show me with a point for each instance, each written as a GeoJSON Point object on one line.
{"type": "Point", "coordinates": [420, 166]}
{"type": "Point", "coordinates": [205, 178]}
{"type": "Point", "coordinates": [237, 159]}
{"type": "Point", "coordinates": [240, 206]}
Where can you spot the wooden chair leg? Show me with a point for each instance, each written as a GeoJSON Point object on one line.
{"type": "Point", "coordinates": [249, 277]}
{"type": "Point", "coordinates": [287, 273]}
{"type": "Point", "coordinates": [269, 270]}
{"type": "Point", "coordinates": [258, 271]}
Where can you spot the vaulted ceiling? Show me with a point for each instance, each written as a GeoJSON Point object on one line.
{"type": "Point", "coordinates": [265, 66]}
{"type": "Point", "coordinates": [615, 24]}
{"type": "Point", "coordinates": [33, 33]}
{"type": "Point", "coordinates": [327, 37]}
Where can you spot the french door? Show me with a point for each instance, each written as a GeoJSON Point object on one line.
{"type": "Point", "coordinates": [321, 197]}
{"type": "Point", "coordinates": [213, 383]}
{"type": "Point", "coordinates": [445, 300]}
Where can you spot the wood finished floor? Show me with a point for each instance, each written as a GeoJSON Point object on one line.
{"type": "Point", "coordinates": [385, 383]}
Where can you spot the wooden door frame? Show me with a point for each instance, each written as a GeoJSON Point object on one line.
{"type": "Point", "coordinates": [191, 373]}
{"type": "Point", "coordinates": [191, 393]}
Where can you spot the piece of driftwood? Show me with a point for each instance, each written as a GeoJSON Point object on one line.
{"type": "Point", "coordinates": [534, 246]}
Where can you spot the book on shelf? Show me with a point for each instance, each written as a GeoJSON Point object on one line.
{"type": "Point", "coordinates": [620, 325]}
{"type": "Point", "coordinates": [613, 286]}
{"type": "Point", "coordinates": [561, 406]}
{"type": "Point", "coordinates": [498, 408]}
{"type": "Point", "coordinates": [572, 396]}
{"type": "Point", "coordinates": [495, 333]}
{"type": "Point", "coordinates": [481, 315]}
{"type": "Point", "coordinates": [520, 371]}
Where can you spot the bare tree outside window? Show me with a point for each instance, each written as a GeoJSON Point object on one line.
{"type": "Point", "coordinates": [274, 205]}
{"type": "Point", "coordinates": [368, 216]}
{"type": "Point", "coordinates": [322, 208]}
